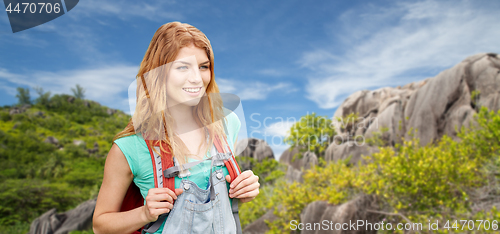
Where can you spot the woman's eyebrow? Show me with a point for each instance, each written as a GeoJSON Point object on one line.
{"type": "Point", "coordinates": [180, 61]}
{"type": "Point", "coordinates": [187, 63]}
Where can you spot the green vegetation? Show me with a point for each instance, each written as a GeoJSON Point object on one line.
{"type": "Point", "coordinates": [269, 171]}
{"type": "Point", "coordinates": [23, 95]}
{"type": "Point", "coordinates": [43, 97]}
{"type": "Point", "coordinates": [445, 181]}
{"type": "Point", "coordinates": [78, 92]}
{"type": "Point", "coordinates": [448, 180]}
{"type": "Point", "coordinates": [311, 133]}
{"type": "Point", "coordinates": [38, 175]}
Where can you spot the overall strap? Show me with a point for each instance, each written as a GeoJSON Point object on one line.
{"type": "Point", "coordinates": [234, 171]}
{"type": "Point", "coordinates": [166, 178]}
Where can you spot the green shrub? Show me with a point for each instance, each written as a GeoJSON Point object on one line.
{"type": "Point", "coordinates": [311, 133]}
{"type": "Point", "coordinates": [5, 116]}
{"type": "Point", "coordinates": [25, 199]}
{"type": "Point", "coordinates": [269, 171]}
{"type": "Point", "coordinates": [440, 181]}
{"type": "Point", "coordinates": [38, 176]}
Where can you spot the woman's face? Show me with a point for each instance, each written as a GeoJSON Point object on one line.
{"type": "Point", "coordinates": [188, 77]}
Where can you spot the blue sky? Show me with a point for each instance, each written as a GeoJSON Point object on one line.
{"type": "Point", "coordinates": [284, 59]}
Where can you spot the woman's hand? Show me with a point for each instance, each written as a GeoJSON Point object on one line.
{"type": "Point", "coordinates": [245, 186]}
{"type": "Point", "coordinates": [159, 201]}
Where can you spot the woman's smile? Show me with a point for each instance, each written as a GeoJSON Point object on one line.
{"type": "Point", "coordinates": [193, 91]}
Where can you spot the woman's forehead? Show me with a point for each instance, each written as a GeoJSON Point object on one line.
{"type": "Point", "coordinates": [191, 54]}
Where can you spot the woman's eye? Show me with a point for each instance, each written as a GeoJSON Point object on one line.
{"type": "Point", "coordinates": [204, 67]}
{"type": "Point", "coordinates": [182, 68]}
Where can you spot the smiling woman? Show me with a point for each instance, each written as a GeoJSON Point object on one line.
{"type": "Point", "coordinates": [190, 75]}
{"type": "Point", "coordinates": [177, 148]}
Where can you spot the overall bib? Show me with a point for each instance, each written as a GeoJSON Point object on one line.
{"type": "Point", "coordinates": [203, 211]}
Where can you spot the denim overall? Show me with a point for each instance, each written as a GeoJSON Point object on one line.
{"type": "Point", "coordinates": [203, 211]}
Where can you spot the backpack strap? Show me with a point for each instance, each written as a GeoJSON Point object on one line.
{"type": "Point", "coordinates": [160, 161]}
{"type": "Point", "coordinates": [231, 164]}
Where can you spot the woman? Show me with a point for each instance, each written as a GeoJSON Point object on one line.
{"type": "Point", "coordinates": [177, 104]}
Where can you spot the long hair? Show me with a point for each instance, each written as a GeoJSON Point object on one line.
{"type": "Point", "coordinates": [150, 117]}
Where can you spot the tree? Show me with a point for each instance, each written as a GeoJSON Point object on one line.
{"type": "Point", "coordinates": [78, 92]}
{"type": "Point", "coordinates": [43, 97]}
{"type": "Point", "coordinates": [23, 95]}
{"type": "Point", "coordinates": [311, 133]}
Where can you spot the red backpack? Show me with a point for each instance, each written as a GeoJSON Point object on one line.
{"type": "Point", "coordinates": [133, 198]}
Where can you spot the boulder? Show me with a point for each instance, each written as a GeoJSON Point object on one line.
{"type": "Point", "coordinates": [52, 140]}
{"type": "Point", "coordinates": [349, 212]}
{"type": "Point", "coordinates": [40, 114]}
{"type": "Point", "coordinates": [110, 111]}
{"type": "Point", "coordinates": [435, 106]}
{"type": "Point", "coordinates": [14, 111]}
{"type": "Point", "coordinates": [19, 109]}
{"type": "Point", "coordinates": [257, 149]}
{"type": "Point", "coordinates": [389, 124]}
{"type": "Point", "coordinates": [78, 142]}
{"type": "Point", "coordinates": [79, 218]}
{"type": "Point", "coordinates": [297, 163]}
{"type": "Point", "coordinates": [354, 150]}
{"type": "Point", "coordinates": [47, 222]}
{"type": "Point", "coordinates": [95, 149]}
{"type": "Point", "coordinates": [260, 226]}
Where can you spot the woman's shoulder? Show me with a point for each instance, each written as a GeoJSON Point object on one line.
{"type": "Point", "coordinates": [133, 147]}
{"type": "Point", "coordinates": [233, 125]}
{"type": "Point", "coordinates": [128, 139]}
{"type": "Point", "coordinates": [133, 137]}
{"type": "Point", "coordinates": [231, 117]}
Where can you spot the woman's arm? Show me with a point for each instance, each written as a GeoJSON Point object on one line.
{"type": "Point", "coordinates": [117, 178]}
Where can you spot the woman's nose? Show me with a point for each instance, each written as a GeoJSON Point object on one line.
{"type": "Point", "coordinates": [195, 76]}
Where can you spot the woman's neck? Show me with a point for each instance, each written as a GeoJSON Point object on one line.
{"type": "Point", "coordinates": [184, 119]}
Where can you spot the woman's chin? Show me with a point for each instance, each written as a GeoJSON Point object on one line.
{"type": "Point", "coordinates": [192, 101]}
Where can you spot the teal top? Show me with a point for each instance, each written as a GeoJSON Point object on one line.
{"type": "Point", "coordinates": [137, 154]}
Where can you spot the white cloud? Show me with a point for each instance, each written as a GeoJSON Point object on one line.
{"type": "Point", "coordinates": [275, 133]}
{"type": "Point", "coordinates": [396, 45]}
{"type": "Point", "coordinates": [9, 90]}
{"type": "Point", "coordinates": [279, 128]}
{"type": "Point", "coordinates": [107, 85]}
{"type": "Point", "coordinates": [225, 86]}
{"type": "Point", "coordinates": [254, 90]}
{"type": "Point", "coordinates": [278, 150]}
{"type": "Point", "coordinates": [86, 41]}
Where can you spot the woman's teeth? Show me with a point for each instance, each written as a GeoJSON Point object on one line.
{"type": "Point", "coordinates": [192, 90]}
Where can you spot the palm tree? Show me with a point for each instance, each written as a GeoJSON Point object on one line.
{"type": "Point", "coordinates": [23, 95]}
{"type": "Point", "coordinates": [78, 92]}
